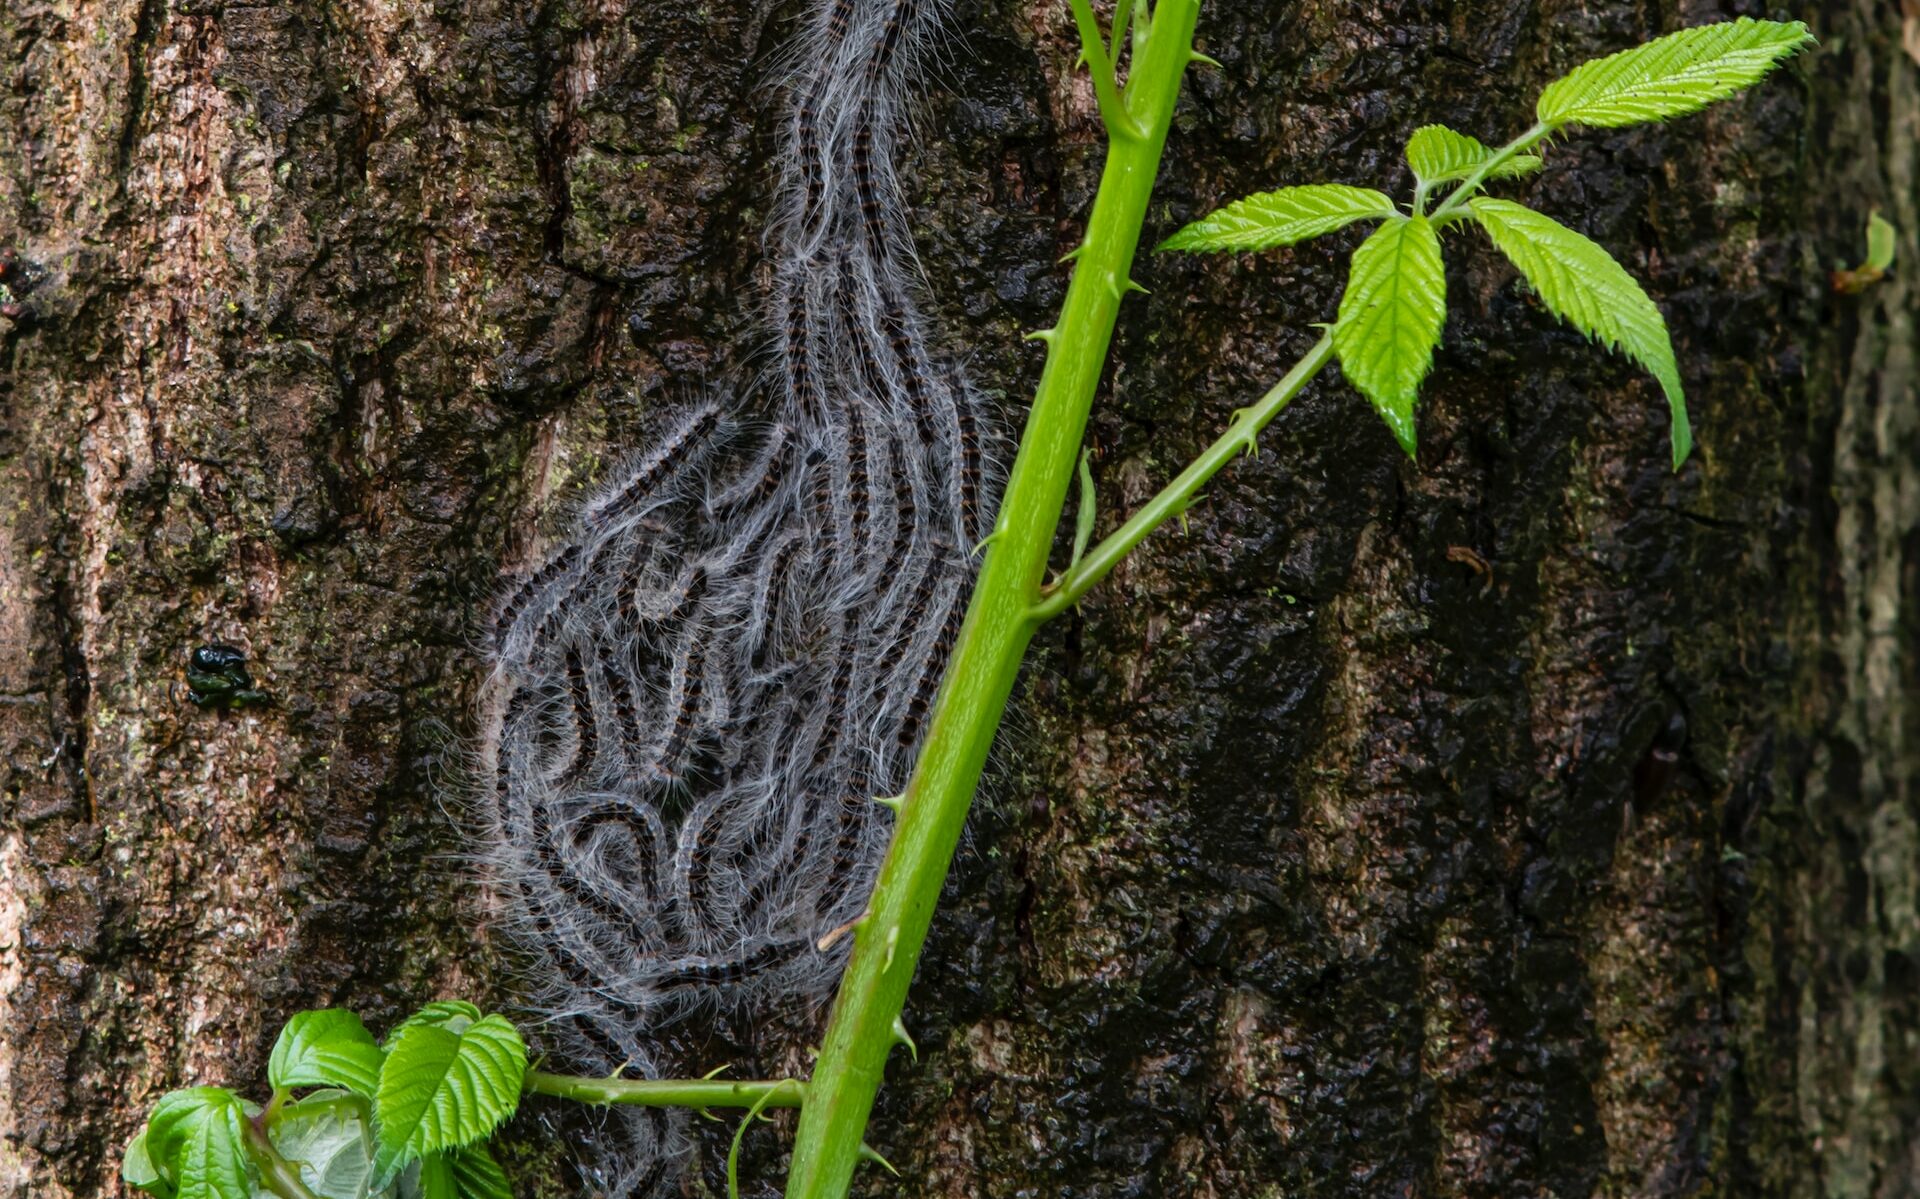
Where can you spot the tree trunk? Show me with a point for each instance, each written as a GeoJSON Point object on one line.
{"type": "Point", "coordinates": [1534, 822]}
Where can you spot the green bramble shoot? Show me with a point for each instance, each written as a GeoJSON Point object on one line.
{"type": "Point", "coordinates": [1395, 303]}
{"type": "Point", "coordinates": [1881, 237]}
{"type": "Point", "coordinates": [352, 1118]}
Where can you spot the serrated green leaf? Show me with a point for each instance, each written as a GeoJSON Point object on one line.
{"type": "Point", "coordinates": [326, 1135]}
{"type": "Point", "coordinates": [1670, 76]}
{"type": "Point", "coordinates": [436, 1178]}
{"type": "Point", "coordinates": [138, 1171]}
{"type": "Point", "coordinates": [446, 1082]}
{"type": "Point", "coordinates": [456, 1012]}
{"type": "Point", "coordinates": [213, 1165]}
{"type": "Point", "coordinates": [1281, 218]}
{"type": "Point", "coordinates": [195, 1142]}
{"type": "Point", "coordinates": [465, 1173]}
{"type": "Point", "coordinates": [477, 1176]}
{"type": "Point", "coordinates": [329, 1048]}
{"type": "Point", "coordinates": [1437, 154]}
{"type": "Point", "coordinates": [1580, 283]}
{"type": "Point", "coordinates": [1390, 319]}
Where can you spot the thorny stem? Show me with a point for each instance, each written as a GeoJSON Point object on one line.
{"type": "Point", "coordinates": [999, 623]}
{"type": "Point", "coordinates": [1089, 568]}
{"type": "Point", "coordinates": [1176, 496]}
{"type": "Point", "coordinates": [1101, 62]}
{"type": "Point", "coordinates": [669, 1092]}
{"type": "Point", "coordinates": [1455, 203]}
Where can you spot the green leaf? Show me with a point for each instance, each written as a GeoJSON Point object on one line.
{"type": "Point", "coordinates": [195, 1142]}
{"type": "Point", "coordinates": [477, 1176]}
{"type": "Point", "coordinates": [1280, 218]}
{"type": "Point", "coordinates": [442, 1011]}
{"type": "Point", "coordinates": [1581, 284]}
{"type": "Point", "coordinates": [1390, 319]}
{"type": "Point", "coordinates": [1880, 239]}
{"type": "Point", "coordinates": [465, 1173]}
{"type": "Point", "coordinates": [1670, 76]}
{"type": "Point", "coordinates": [1438, 154]}
{"type": "Point", "coordinates": [138, 1171]}
{"type": "Point", "coordinates": [326, 1134]}
{"type": "Point", "coordinates": [436, 1178]}
{"type": "Point", "coordinates": [328, 1048]}
{"type": "Point", "coordinates": [449, 1080]}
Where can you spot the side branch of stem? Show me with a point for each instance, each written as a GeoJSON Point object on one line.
{"type": "Point", "coordinates": [668, 1092]}
{"type": "Point", "coordinates": [1101, 61]}
{"type": "Point", "coordinates": [1456, 202]}
{"type": "Point", "coordinates": [1174, 498]}
{"type": "Point", "coordinates": [277, 1175]}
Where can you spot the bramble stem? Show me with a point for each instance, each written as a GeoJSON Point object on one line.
{"type": "Point", "coordinates": [277, 1174]}
{"type": "Point", "coordinates": [1101, 62]}
{"type": "Point", "coordinates": [668, 1092]}
{"type": "Point", "coordinates": [1175, 497]}
{"type": "Point", "coordinates": [999, 624]}
{"type": "Point", "coordinates": [1455, 204]}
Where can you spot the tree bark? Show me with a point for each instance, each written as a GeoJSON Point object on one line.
{"type": "Point", "coordinates": [1535, 821]}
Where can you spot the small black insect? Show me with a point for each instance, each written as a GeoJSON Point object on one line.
{"type": "Point", "coordinates": [217, 678]}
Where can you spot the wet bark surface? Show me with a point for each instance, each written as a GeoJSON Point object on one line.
{"type": "Point", "coordinates": [1531, 821]}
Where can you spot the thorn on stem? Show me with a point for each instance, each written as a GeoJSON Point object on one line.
{"type": "Point", "coordinates": [832, 938]}
{"type": "Point", "coordinates": [891, 801]}
{"type": "Point", "coordinates": [1046, 335]}
{"type": "Point", "coordinates": [900, 1037]}
{"type": "Point", "coordinates": [867, 1154]}
{"type": "Point", "coordinates": [1248, 445]}
{"type": "Point", "coordinates": [1203, 60]}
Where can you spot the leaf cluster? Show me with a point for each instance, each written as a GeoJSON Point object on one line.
{"type": "Point", "coordinates": [350, 1118]}
{"type": "Point", "coordinates": [1395, 304]}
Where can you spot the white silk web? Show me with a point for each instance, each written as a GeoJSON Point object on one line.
{"type": "Point", "coordinates": [696, 697]}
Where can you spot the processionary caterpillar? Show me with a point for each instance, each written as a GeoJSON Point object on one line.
{"type": "Point", "coordinates": [736, 642]}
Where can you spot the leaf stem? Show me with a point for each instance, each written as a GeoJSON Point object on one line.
{"type": "Point", "coordinates": [1101, 61]}
{"type": "Point", "coordinates": [1175, 497]}
{"type": "Point", "coordinates": [1455, 204]}
{"type": "Point", "coordinates": [667, 1092]}
{"type": "Point", "coordinates": [999, 624]}
{"type": "Point", "coordinates": [277, 1174]}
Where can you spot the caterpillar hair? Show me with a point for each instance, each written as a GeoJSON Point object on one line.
{"type": "Point", "coordinates": [736, 643]}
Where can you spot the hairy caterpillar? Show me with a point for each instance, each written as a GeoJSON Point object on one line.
{"type": "Point", "coordinates": [695, 697]}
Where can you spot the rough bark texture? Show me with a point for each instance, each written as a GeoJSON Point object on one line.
{"type": "Point", "coordinates": [1533, 822]}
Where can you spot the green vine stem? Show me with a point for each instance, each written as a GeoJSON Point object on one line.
{"type": "Point", "coordinates": [1455, 205]}
{"type": "Point", "coordinates": [1176, 496]}
{"type": "Point", "coordinates": [670, 1092]}
{"type": "Point", "coordinates": [1001, 616]}
{"type": "Point", "coordinates": [277, 1174]}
